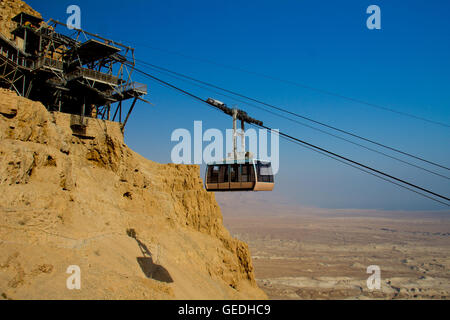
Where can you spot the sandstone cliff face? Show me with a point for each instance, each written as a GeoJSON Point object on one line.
{"type": "Point", "coordinates": [67, 200]}
{"type": "Point", "coordinates": [8, 10]}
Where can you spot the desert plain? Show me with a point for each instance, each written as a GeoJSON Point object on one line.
{"type": "Point", "coordinates": [308, 253]}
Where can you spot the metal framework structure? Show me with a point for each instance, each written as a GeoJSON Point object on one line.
{"type": "Point", "coordinates": [82, 73]}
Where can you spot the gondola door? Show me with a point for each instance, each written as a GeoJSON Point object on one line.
{"type": "Point", "coordinates": [212, 178]}
{"type": "Point", "coordinates": [224, 183]}
{"type": "Point", "coordinates": [235, 174]}
{"type": "Point", "coordinates": [247, 176]}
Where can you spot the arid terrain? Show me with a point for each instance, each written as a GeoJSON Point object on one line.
{"type": "Point", "coordinates": [80, 199]}
{"type": "Point", "coordinates": [324, 254]}
{"type": "Point", "coordinates": [135, 228]}
{"type": "Point", "coordinates": [73, 194]}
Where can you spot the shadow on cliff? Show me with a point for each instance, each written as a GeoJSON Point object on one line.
{"type": "Point", "coordinates": [150, 269]}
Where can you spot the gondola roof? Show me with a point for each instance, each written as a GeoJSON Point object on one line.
{"type": "Point", "coordinates": [238, 161]}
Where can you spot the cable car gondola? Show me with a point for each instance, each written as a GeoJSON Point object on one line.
{"type": "Point", "coordinates": [239, 175]}
{"type": "Point", "coordinates": [240, 171]}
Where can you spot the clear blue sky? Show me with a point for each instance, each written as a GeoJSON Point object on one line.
{"type": "Point", "coordinates": [324, 44]}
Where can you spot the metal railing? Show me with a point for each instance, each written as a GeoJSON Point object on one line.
{"type": "Point", "coordinates": [48, 62]}
{"type": "Point", "coordinates": [14, 57]}
{"type": "Point", "coordinates": [133, 86]}
{"type": "Point", "coordinates": [94, 75]}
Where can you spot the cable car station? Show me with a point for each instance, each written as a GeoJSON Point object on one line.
{"type": "Point", "coordinates": [88, 79]}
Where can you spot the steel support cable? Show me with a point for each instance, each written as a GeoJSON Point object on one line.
{"type": "Point", "coordinates": [325, 92]}
{"type": "Point", "coordinates": [363, 170]}
{"type": "Point", "coordinates": [303, 142]}
{"type": "Point", "coordinates": [306, 125]}
{"type": "Point", "coordinates": [297, 115]}
{"type": "Point", "coordinates": [358, 163]}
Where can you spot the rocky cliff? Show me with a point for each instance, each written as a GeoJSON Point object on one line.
{"type": "Point", "coordinates": [8, 10]}
{"type": "Point", "coordinates": [137, 229]}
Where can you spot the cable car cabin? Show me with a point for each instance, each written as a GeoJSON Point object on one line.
{"type": "Point", "coordinates": [242, 175]}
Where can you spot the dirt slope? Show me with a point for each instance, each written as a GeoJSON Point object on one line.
{"type": "Point", "coordinates": [67, 200]}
